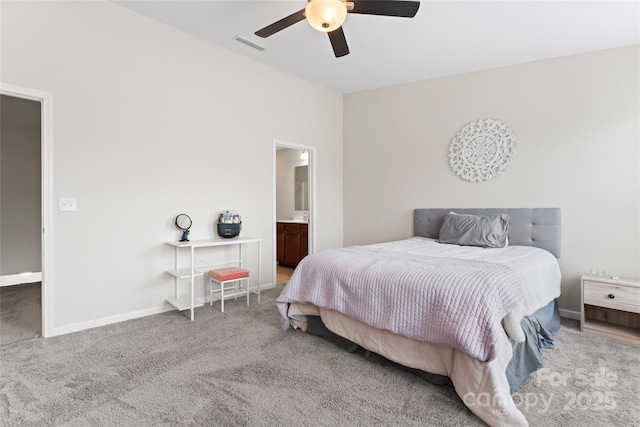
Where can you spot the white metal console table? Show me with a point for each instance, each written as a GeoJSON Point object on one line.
{"type": "Point", "coordinates": [191, 272]}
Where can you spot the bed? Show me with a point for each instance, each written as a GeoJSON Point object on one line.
{"type": "Point", "coordinates": [475, 312]}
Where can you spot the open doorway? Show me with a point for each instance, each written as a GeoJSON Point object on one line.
{"type": "Point", "coordinates": [25, 213]}
{"type": "Point", "coordinates": [20, 217]}
{"type": "Point", "coordinates": [294, 207]}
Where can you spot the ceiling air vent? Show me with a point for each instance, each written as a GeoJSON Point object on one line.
{"type": "Point", "coordinates": [249, 43]}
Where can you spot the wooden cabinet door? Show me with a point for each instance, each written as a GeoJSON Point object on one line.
{"type": "Point", "coordinates": [304, 241]}
{"type": "Point", "coordinates": [280, 243]}
{"type": "Point", "coordinates": [292, 244]}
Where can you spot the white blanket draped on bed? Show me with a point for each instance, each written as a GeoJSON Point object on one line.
{"type": "Point", "coordinates": [441, 294]}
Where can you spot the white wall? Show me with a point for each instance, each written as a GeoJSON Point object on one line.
{"type": "Point", "coordinates": [577, 122]}
{"type": "Point", "coordinates": [20, 214]}
{"type": "Point", "coordinates": [149, 122]}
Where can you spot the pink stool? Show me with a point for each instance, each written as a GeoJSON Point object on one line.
{"type": "Point", "coordinates": [229, 278]}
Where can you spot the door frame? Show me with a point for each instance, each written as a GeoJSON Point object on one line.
{"type": "Point", "coordinates": [312, 198]}
{"type": "Point", "coordinates": [46, 152]}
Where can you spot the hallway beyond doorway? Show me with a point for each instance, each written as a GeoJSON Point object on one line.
{"type": "Point", "coordinates": [20, 312]}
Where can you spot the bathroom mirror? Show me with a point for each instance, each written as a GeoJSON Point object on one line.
{"type": "Point", "coordinates": [301, 190]}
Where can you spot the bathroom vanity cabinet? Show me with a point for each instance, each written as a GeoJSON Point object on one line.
{"type": "Point", "coordinates": [293, 242]}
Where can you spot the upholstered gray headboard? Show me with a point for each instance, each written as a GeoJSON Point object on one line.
{"type": "Point", "coordinates": [539, 227]}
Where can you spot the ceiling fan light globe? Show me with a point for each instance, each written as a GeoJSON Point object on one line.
{"type": "Point", "coordinates": [326, 15]}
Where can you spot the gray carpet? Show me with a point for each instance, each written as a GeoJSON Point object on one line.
{"type": "Point", "coordinates": [20, 312]}
{"type": "Point", "coordinates": [239, 368]}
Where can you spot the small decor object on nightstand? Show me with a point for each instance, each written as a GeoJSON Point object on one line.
{"type": "Point", "coordinates": [482, 150]}
{"type": "Point", "coordinates": [183, 222]}
{"type": "Point", "coordinates": [229, 224]}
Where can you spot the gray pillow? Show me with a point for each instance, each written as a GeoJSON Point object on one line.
{"type": "Point", "coordinates": [489, 231]}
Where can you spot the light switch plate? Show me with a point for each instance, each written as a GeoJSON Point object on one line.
{"type": "Point", "coordinates": [67, 204]}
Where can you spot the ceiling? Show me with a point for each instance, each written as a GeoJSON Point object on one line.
{"type": "Point", "coordinates": [444, 38]}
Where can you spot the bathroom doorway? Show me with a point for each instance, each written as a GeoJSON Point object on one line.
{"type": "Point", "coordinates": [293, 206]}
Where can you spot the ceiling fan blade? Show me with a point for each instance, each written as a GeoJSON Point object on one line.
{"type": "Point", "coordinates": [280, 25]}
{"type": "Point", "coordinates": [338, 42]}
{"type": "Point", "coordinates": [403, 9]}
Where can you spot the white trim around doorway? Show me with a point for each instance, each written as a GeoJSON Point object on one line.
{"type": "Point", "coordinates": [46, 141]}
{"type": "Point", "coordinates": [312, 197]}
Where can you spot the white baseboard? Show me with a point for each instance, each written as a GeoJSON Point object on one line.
{"type": "Point", "coordinates": [81, 326]}
{"type": "Point", "coordinates": [569, 314]}
{"type": "Point", "coordinates": [18, 279]}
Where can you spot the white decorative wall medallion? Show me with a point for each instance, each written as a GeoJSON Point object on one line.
{"type": "Point", "coordinates": [482, 150]}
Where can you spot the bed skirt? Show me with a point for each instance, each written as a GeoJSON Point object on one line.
{"type": "Point", "coordinates": [539, 329]}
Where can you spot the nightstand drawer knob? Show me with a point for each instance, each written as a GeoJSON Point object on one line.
{"type": "Point", "coordinates": [612, 296]}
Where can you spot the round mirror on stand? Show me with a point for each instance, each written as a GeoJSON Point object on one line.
{"type": "Point", "coordinates": [183, 222]}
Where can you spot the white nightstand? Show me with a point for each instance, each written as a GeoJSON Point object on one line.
{"type": "Point", "coordinates": [610, 308]}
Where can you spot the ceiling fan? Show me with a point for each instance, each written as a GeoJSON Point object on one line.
{"type": "Point", "coordinates": [329, 15]}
